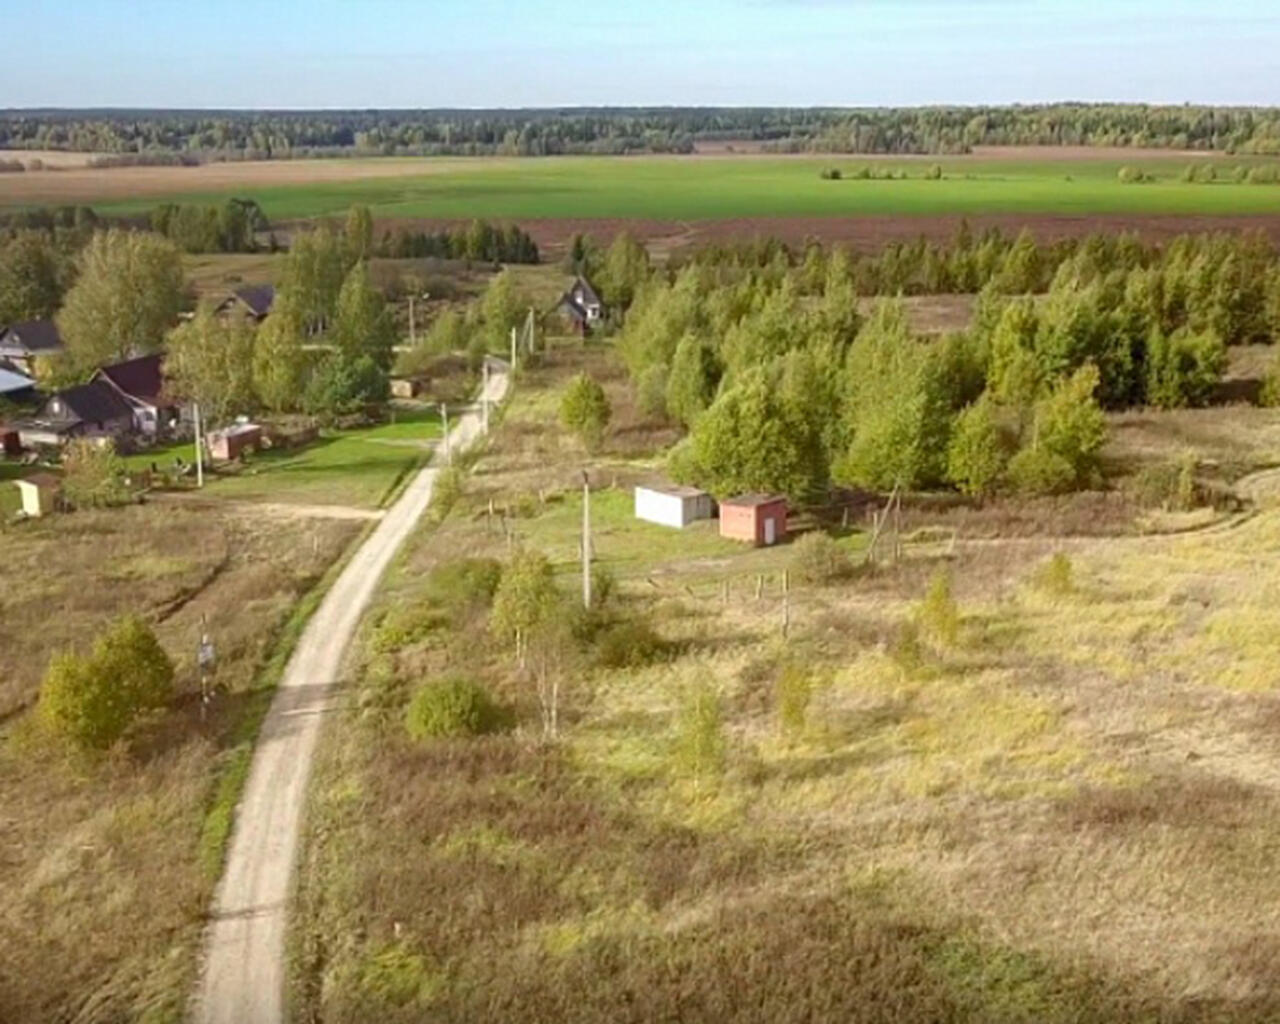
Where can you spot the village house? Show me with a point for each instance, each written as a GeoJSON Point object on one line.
{"type": "Point", "coordinates": [95, 410]}
{"type": "Point", "coordinates": [121, 400]}
{"type": "Point", "coordinates": [582, 306]}
{"type": "Point", "coordinates": [15, 386]}
{"type": "Point", "coordinates": [253, 301]}
{"type": "Point", "coordinates": [21, 344]}
{"type": "Point", "coordinates": [140, 382]}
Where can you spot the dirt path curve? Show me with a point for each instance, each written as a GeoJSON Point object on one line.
{"type": "Point", "coordinates": [243, 976]}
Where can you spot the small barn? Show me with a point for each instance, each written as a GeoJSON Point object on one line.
{"type": "Point", "coordinates": [230, 443]}
{"type": "Point", "coordinates": [406, 387]}
{"type": "Point", "coordinates": [759, 519]}
{"type": "Point", "coordinates": [39, 493]}
{"type": "Point", "coordinates": [669, 505]}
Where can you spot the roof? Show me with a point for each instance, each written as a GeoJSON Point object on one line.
{"type": "Point", "coordinates": [31, 337]}
{"type": "Point", "coordinates": [571, 304]}
{"type": "Point", "coordinates": [94, 402]}
{"type": "Point", "coordinates": [258, 297]}
{"type": "Point", "coordinates": [755, 500]}
{"type": "Point", "coordinates": [675, 490]}
{"type": "Point", "coordinates": [41, 480]}
{"type": "Point", "coordinates": [588, 293]}
{"type": "Point", "coordinates": [139, 378]}
{"type": "Point", "coordinates": [11, 381]}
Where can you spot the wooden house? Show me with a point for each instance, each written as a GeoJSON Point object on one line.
{"type": "Point", "coordinates": [582, 307]}
{"type": "Point", "coordinates": [23, 343]}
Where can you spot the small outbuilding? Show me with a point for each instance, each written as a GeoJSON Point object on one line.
{"type": "Point", "coordinates": [230, 443]}
{"type": "Point", "coordinates": [670, 505]}
{"type": "Point", "coordinates": [406, 387]}
{"type": "Point", "coordinates": [39, 493]}
{"type": "Point", "coordinates": [759, 519]}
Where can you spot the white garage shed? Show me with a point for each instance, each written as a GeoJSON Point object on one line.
{"type": "Point", "coordinates": [669, 505]}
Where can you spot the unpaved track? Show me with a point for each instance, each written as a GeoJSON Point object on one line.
{"type": "Point", "coordinates": [243, 975]}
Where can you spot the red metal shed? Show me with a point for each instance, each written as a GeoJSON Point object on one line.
{"type": "Point", "coordinates": [759, 519]}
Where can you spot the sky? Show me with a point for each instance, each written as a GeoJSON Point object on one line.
{"type": "Point", "coordinates": [486, 53]}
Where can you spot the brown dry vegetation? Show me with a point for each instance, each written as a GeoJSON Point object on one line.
{"type": "Point", "coordinates": [1068, 814]}
{"type": "Point", "coordinates": [107, 865]}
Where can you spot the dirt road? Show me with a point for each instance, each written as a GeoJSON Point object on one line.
{"type": "Point", "coordinates": [244, 970]}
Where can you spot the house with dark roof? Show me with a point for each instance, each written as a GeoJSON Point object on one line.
{"type": "Point", "coordinates": [15, 386]}
{"type": "Point", "coordinates": [582, 306]}
{"type": "Point", "coordinates": [140, 382]}
{"type": "Point", "coordinates": [253, 301]}
{"type": "Point", "coordinates": [93, 410]}
{"type": "Point", "coordinates": [23, 343]}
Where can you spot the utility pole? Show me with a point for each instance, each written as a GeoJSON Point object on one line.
{"type": "Point", "coordinates": [513, 348]}
{"type": "Point", "coordinates": [448, 452]}
{"type": "Point", "coordinates": [586, 540]}
{"type": "Point", "coordinates": [413, 337]}
{"type": "Point", "coordinates": [205, 658]}
{"type": "Point", "coordinates": [484, 395]}
{"type": "Point", "coordinates": [199, 447]}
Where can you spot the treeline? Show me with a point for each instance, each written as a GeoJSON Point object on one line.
{"type": "Point", "coordinates": [231, 227]}
{"type": "Point", "coordinates": [126, 137]}
{"type": "Point", "coordinates": [479, 240]}
{"type": "Point", "coordinates": [784, 386]}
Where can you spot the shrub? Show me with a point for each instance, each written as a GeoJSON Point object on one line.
{"type": "Point", "coordinates": [938, 614]}
{"type": "Point", "coordinates": [1057, 575]}
{"type": "Point", "coordinates": [396, 975]}
{"type": "Point", "coordinates": [1040, 471]}
{"type": "Point", "coordinates": [700, 744]}
{"type": "Point", "coordinates": [817, 558]}
{"type": "Point", "coordinates": [977, 454]}
{"type": "Point", "coordinates": [453, 707]}
{"type": "Point", "coordinates": [630, 644]}
{"type": "Point", "coordinates": [1170, 485]}
{"type": "Point", "coordinates": [585, 410]}
{"type": "Point", "coordinates": [934, 173]}
{"type": "Point", "coordinates": [93, 700]}
{"type": "Point", "coordinates": [1133, 176]}
{"type": "Point", "coordinates": [793, 693]}
{"type": "Point", "coordinates": [469, 582]}
{"type": "Point", "coordinates": [93, 475]}
{"type": "Point", "coordinates": [830, 174]}
{"type": "Point", "coordinates": [906, 649]}
{"type": "Point", "coordinates": [651, 391]}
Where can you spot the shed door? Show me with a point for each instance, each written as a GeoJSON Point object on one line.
{"type": "Point", "coordinates": [770, 530]}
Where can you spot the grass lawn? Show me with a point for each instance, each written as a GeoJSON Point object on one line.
{"type": "Point", "coordinates": [360, 468]}
{"type": "Point", "coordinates": [699, 188]}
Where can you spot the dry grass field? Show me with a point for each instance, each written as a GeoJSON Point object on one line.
{"type": "Point", "coordinates": [1063, 809]}
{"type": "Point", "coordinates": [107, 865]}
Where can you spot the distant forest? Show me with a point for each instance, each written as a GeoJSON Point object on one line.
{"type": "Point", "coordinates": [176, 136]}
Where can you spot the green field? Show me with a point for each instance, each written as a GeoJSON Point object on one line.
{"type": "Point", "coordinates": [701, 188]}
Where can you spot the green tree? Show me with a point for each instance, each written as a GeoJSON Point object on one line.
{"type": "Point", "coordinates": [92, 700]}
{"type": "Point", "coordinates": [357, 236]}
{"type": "Point", "coordinates": [362, 324]}
{"type": "Point", "coordinates": [1183, 368]}
{"type": "Point", "coordinates": [978, 452]}
{"type": "Point", "coordinates": [31, 277]}
{"type": "Point", "coordinates": [749, 440]}
{"type": "Point", "coordinates": [624, 270]}
{"type": "Point", "coordinates": [338, 386]}
{"type": "Point", "coordinates": [210, 360]}
{"type": "Point", "coordinates": [691, 382]}
{"type": "Point", "coordinates": [128, 292]}
{"type": "Point", "coordinates": [279, 361]}
{"type": "Point", "coordinates": [528, 611]}
{"type": "Point", "coordinates": [93, 475]}
{"type": "Point", "coordinates": [313, 275]}
{"type": "Point", "coordinates": [1070, 425]}
{"type": "Point", "coordinates": [585, 410]}
{"type": "Point", "coordinates": [500, 310]}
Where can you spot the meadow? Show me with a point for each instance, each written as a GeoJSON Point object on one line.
{"type": "Point", "coordinates": [1019, 182]}
{"type": "Point", "coordinates": [1055, 802]}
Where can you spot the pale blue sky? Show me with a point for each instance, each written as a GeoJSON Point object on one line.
{"type": "Point", "coordinates": [481, 53]}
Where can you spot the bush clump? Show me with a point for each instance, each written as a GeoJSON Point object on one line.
{"type": "Point", "coordinates": [700, 743]}
{"type": "Point", "coordinates": [793, 694]}
{"type": "Point", "coordinates": [938, 615]}
{"type": "Point", "coordinates": [1040, 471]}
{"type": "Point", "coordinates": [816, 558]}
{"type": "Point", "coordinates": [1057, 575]}
{"type": "Point", "coordinates": [92, 700]}
{"type": "Point", "coordinates": [465, 582]}
{"type": "Point", "coordinates": [585, 410]}
{"type": "Point", "coordinates": [630, 644]}
{"type": "Point", "coordinates": [453, 707]}
{"type": "Point", "coordinates": [1169, 485]}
